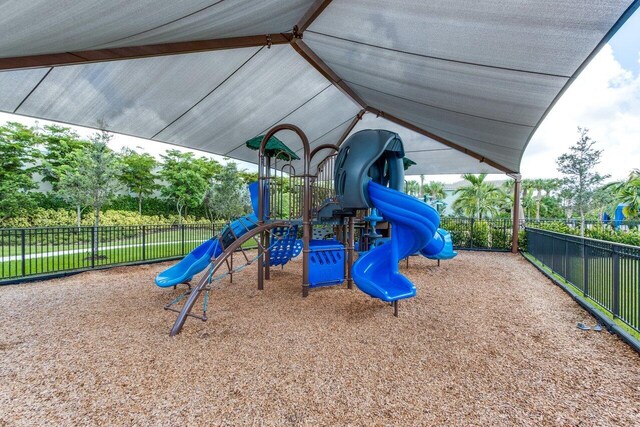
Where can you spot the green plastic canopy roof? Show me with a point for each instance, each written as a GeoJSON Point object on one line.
{"type": "Point", "coordinates": [407, 163]}
{"type": "Point", "coordinates": [274, 148]}
{"type": "Point", "coordinates": [472, 80]}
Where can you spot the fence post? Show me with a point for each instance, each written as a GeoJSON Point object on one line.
{"type": "Point", "coordinates": [471, 234]}
{"type": "Point", "coordinates": [24, 258]}
{"type": "Point", "coordinates": [94, 250]}
{"type": "Point", "coordinates": [183, 242]}
{"type": "Point", "coordinates": [616, 281]}
{"type": "Point", "coordinates": [585, 268]}
{"type": "Point", "coordinates": [144, 243]}
{"type": "Point", "coordinates": [566, 258]}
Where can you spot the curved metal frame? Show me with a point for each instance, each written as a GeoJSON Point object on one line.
{"type": "Point", "coordinates": [292, 174]}
{"type": "Point", "coordinates": [219, 261]}
{"type": "Point", "coordinates": [263, 174]}
{"type": "Point", "coordinates": [323, 147]}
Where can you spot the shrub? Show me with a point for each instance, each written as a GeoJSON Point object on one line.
{"type": "Point", "coordinates": [479, 234]}
{"type": "Point", "coordinates": [598, 231]}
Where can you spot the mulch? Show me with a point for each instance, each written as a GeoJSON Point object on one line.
{"type": "Point", "coordinates": [487, 341]}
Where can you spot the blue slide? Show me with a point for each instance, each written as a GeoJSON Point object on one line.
{"type": "Point", "coordinates": [198, 259]}
{"type": "Point", "coordinates": [440, 247]}
{"type": "Point", "coordinates": [414, 226]}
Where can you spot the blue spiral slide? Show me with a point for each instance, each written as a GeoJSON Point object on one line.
{"type": "Point", "coordinates": [415, 229]}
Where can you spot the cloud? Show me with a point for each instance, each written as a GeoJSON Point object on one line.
{"type": "Point", "coordinates": [605, 98]}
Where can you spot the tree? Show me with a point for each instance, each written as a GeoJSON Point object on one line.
{"type": "Point", "coordinates": [138, 174]}
{"type": "Point", "coordinates": [479, 198]}
{"type": "Point", "coordinates": [412, 188]}
{"type": "Point", "coordinates": [435, 192]}
{"type": "Point", "coordinates": [628, 192]}
{"type": "Point", "coordinates": [59, 143]}
{"type": "Point", "coordinates": [228, 196]}
{"type": "Point", "coordinates": [248, 177]}
{"type": "Point", "coordinates": [421, 186]}
{"type": "Point", "coordinates": [543, 188]}
{"type": "Point", "coordinates": [18, 157]}
{"type": "Point", "coordinates": [72, 184]}
{"type": "Point", "coordinates": [580, 177]}
{"type": "Point", "coordinates": [90, 177]}
{"type": "Point", "coordinates": [188, 178]}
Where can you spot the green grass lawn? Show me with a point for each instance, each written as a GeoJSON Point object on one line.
{"type": "Point", "coordinates": [69, 240]}
{"type": "Point", "coordinates": [602, 286]}
{"type": "Point", "coordinates": [109, 256]}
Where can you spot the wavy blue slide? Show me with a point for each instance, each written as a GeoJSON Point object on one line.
{"type": "Point", "coordinates": [415, 228]}
{"type": "Point", "coordinates": [414, 225]}
{"type": "Point", "coordinates": [198, 259]}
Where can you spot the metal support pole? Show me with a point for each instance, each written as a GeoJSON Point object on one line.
{"type": "Point", "coordinates": [395, 308]}
{"type": "Point", "coordinates": [306, 221]}
{"type": "Point", "coordinates": [516, 213]}
{"type": "Point", "coordinates": [350, 249]}
{"type": "Point", "coordinates": [265, 237]}
{"type": "Point", "coordinates": [261, 217]}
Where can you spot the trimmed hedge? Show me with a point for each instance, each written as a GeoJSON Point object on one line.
{"type": "Point", "coordinates": [41, 217]}
{"type": "Point", "coordinates": [596, 231]}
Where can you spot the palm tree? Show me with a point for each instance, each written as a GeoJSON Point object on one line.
{"type": "Point", "coordinates": [421, 186]}
{"type": "Point", "coordinates": [434, 190]}
{"type": "Point", "coordinates": [628, 192]}
{"type": "Point", "coordinates": [412, 188]}
{"type": "Point", "coordinates": [479, 198]}
{"type": "Point", "coordinates": [543, 188]}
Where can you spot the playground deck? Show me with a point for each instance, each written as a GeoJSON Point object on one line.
{"type": "Point", "coordinates": [488, 340]}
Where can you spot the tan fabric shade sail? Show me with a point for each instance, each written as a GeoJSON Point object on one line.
{"type": "Point", "coordinates": [472, 80]}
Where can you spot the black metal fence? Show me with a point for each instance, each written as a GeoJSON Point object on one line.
{"type": "Point", "coordinates": [43, 252]}
{"type": "Point", "coordinates": [476, 234]}
{"type": "Point", "coordinates": [606, 273]}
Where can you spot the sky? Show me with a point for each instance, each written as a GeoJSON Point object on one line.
{"type": "Point", "coordinates": [605, 98]}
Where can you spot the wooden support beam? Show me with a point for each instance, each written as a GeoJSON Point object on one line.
{"type": "Point", "coordinates": [313, 59]}
{"type": "Point", "coordinates": [440, 139]}
{"type": "Point", "coordinates": [314, 11]}
{"type": "Point", "coordinates": [144, 51]}
{"type": "Point", "coordinates": [353, 124]}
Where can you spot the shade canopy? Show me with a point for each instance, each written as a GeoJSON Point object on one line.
{"type": "Point", "coordinates": [472, 80]}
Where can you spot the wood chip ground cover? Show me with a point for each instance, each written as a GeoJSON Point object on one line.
{"type": "Point", "coordinates": [487, 341]}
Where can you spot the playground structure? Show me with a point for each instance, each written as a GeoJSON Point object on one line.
{"type": "Point", "coordinates": [619, 216]}
{"type": "Point", "coordinates": [364, 176]}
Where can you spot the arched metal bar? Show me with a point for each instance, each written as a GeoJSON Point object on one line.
{"type": "Point", "coordinates": [292, 175]}
{"type": "Point", "coordinates": [276, 199]}
{"type": "Point", "coordinates": [306, 201]}
{"type": "Point", "coordinates": [322, 147]}
{"type": "Point", "coordinates": [218, 262]}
